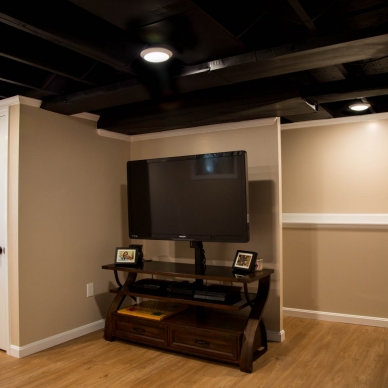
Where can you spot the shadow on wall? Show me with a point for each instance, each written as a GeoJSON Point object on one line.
{"type": "Point", "coordinates": [105, 299]}
{"type": "Point", "coordinates": [300, 266]}
{"type": "Point", "coordinates": [124, 213]}
{"type": "Point", "coordinates": [262, 219]}
{"type": "Point", "coordinates": [262, 215]}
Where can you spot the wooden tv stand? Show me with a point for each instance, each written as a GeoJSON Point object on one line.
{"type": "Point", "coordinates": [207, 329]}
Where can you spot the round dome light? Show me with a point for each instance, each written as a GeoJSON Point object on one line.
{"type": "Point", "coordinates": [360, 106]}
{"type": "Point", "coordinates": [156, 54]}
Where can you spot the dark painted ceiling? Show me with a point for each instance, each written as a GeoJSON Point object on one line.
{"type": "Point", "coordinates": [233, 60]}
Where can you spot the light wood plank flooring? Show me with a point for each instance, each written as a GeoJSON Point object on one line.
{"type": "Point", "coordinates": [314, 354]}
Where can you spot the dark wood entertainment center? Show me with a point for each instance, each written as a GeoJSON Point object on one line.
{"type": "Point", "coordinates": [207, 329]}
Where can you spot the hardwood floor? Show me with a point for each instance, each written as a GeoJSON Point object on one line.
{"type": "Point", "coordinates": [314, 354]}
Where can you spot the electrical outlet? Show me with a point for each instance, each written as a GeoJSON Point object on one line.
{"type": "Point", "coordinates": [89, 289]}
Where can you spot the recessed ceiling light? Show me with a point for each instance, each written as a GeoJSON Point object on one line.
{"type": "Point", "coordinates": [359, 106]}
{"type": "Point", "coordinates": [156, 54]}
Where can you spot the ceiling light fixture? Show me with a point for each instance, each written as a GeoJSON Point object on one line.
{"type": "Point", "coordinates": [156, 54]}
{"type": "Point", "coordinates": [360, 106]}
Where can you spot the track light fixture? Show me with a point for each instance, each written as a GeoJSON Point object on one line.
{"type": "Point", "coordinates": [156, 54]}
{"type": "Point", "coordinates": [359, 106]}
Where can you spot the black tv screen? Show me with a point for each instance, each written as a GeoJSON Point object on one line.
{"type": "Point", "coordinates": [190, 198]}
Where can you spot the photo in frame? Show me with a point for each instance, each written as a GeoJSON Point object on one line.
{"type": "Point", "coordinates": [126, 256]}
{"type": "Point", "coordinates": [244, 261]}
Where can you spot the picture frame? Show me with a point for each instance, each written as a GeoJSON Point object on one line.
{"type": "Point", "coordinates": [126, 256]}
{"type": "Point", "coordinates": [244, 261]}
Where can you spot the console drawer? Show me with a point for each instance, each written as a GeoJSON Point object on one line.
{"type": "Point", "coordinates": [205, 343]}
{"type": "Point", "coordinates": [140, 330]}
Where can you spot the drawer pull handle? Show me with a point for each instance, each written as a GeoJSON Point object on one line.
{"type": "Point", "coordinates": [199, 342]}
{"type": "Point", "coordinates": [138, 330]}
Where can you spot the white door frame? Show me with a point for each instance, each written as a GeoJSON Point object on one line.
{"type": "Point", "coordinates": [4, 112]}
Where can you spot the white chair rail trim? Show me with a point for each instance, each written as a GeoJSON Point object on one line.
{"type": "Point", "coordinates": [295, 220]}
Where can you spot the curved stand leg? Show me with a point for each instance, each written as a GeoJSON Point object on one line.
{"type": "Point", "coordinates": [255, 335]}
{"type": "Point", "coordinates": [117, 301]}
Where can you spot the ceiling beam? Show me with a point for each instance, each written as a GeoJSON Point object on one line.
{"type": "Point", "coordinates": [289, 59]}
{"type": "Point", "coordinates": [125, 92]}
{"type": "Point", "coordinates": [240, 68]}
{"type": "Point", "coordinates": [11, 89]}
{"type": "Point", "coordinates": [23, 85]}
{"type": "Point", "coordinates": [260, 101]}
{"type": "Point", "coordinates": [22, 75]}
{"type": "Point", "coordinates": [274, 109]}
{"type": "Point", "coordinates": [36, 79]}
{"type": "Point", "coordinates": [30, 50]}
{"type": "Point", "coordinates": [300, 11]}
{"type": "Point", "coordinates": [206, 116]}
{"type": "Point", "coordinates": [263, 13]}
{"type": "Point", "coordinates": [343, 70]}
{"type": "Point", "coordinates": [39, 64]}
{"type": "Point", "coordinates": [365, 100]}
{"type": "Point", "coordinates": [373, 85]}
{"type": "Point", "coordinates": [75, 29]}
{"type": "Point", "coordinates": [255, 100]}
{"type": "Point", "coordinates": [320, 114]}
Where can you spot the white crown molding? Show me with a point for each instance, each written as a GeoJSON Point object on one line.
{"type": "Point", "coordinates": [5, 163]}
{"type": "Point", "coordinates": [87, 116]}
{"type": "Point", "coordinates": [113, 135]}
{"type": "Point", "coordinates": [23, 351]}
{"type": "Point", "coordinates": [295, 220]}
{"type": "Point", "coordinates": [20, 100]}
{"type": "Point", "coordinates": [340, 120]}
{"type": "Point", "coordinates": [336, 317]}
{"type": "Point", "coordinates": [205, 129]}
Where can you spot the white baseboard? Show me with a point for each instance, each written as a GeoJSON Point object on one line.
{"type": "Point", "coordinates": [276, 336]}
{"type": "Point", "coordinates": [336, 317]}
{"type": "Point", "coordinates": [26, 350]}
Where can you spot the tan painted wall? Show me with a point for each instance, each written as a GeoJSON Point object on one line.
{"type": "Point", "coordinates": [336, 169]}
{"type": "Point", "coordinates": [263, 149]}
{"type": "Point", "coordinates": [336, 270]}
{"type": "Point", "coordinates": [72, 215]}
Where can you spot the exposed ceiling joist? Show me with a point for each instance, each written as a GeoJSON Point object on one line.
{"type": "Point", "coordinates": [376, 85]}
{"type": "Point", "coordinates": [235, 62]}
{"type": "Point", "coordinates": [220, 104]}
{"type": "Point", "coordinates": [100, 40]}
{"type": "Point", "coordinates": [31, 51]}
{"type": "Point", "coordinates": [235, 69]}
{"type": "Point", "coordinates": [306, 57]}
{"type": "Point", "coordinates": [295, 4]}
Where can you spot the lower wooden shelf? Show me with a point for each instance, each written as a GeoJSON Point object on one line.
{"type": "Point", "coordinates": [215, 336]}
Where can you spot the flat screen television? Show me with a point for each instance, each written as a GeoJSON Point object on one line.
{"type": "Point", "coordinates": [189, 198]}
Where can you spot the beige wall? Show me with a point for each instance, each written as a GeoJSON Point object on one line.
{"type": "Point", "coordinates": [263, 150]}
{"type": "Point", "coordinates": [336, 169]}
{"type": "Point", "coordinates": [72, 215]}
